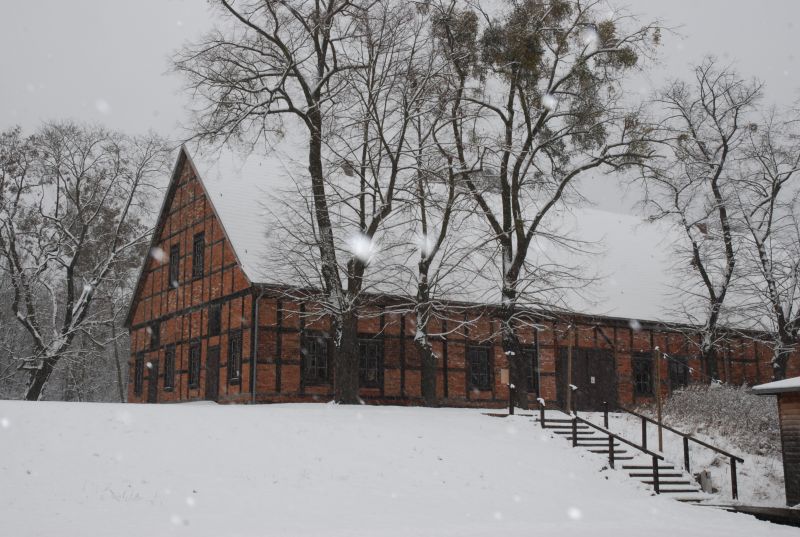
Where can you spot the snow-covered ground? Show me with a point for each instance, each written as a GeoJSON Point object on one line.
{"type": "Point", "coordinates": [760, 478]}
{"type": "Point", "coordinates": [73, 469]}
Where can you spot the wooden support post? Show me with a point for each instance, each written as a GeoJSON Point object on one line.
{"type": "Point", "coordinates": [657, 355]}
{"type": "Point", "coordinates": [611, 451]}
{"type": "Point", "coordinates": [574, 432]}
{"type": "Point", "coordinates": [656, 484]}
{"type": "Point", "coordinates": [511, 394]}
{"type": "Point", "coordinates": [569, 370]}
{"type": "Point", "coordinates": [541, 415]}
{"type": "Point", "coordinates": [686, 454]}
{"type": "Point", "coordinates": [605, 414]}
{"type": "Point", "coordinates": [644, 433]}
{"type": "Point", "coordinates": [734, 484]}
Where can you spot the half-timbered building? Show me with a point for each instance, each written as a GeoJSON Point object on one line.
{"type": "Point", "coordinates": [207, 321]}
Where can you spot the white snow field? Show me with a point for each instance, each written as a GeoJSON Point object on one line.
{"type": "Point", "coordinates": [74, 469]}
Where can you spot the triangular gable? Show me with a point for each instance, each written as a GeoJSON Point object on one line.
{"type": "Point", "coordinates": [182, 160]}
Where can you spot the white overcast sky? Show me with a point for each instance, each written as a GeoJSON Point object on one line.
{"type": "Point", "coordinates": [107, 60]}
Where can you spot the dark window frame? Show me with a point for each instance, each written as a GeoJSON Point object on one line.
{"type": "Point", "coordinates": [169, 367]}
{"type": "Point", "coordinates": [198, 255]}
{"type": "Point", "coordinates": [235, 356]}
{"type": "Point", "coordinates": [138, 374]}
{"type": "Point", "coordinates": [479, 380]}
{"type": "Point", "coordinates": [195, 351]}
{"type": "Point", "coordinates": [531, 367]}
{"type": "Point", "coordinates": [316, 348]}
{"type": "Point", "coordinates": [642, 374]}
{"type": "Point", "coordinates": [679, 368]}
{"type": "Point", "coordinates": [174, 266]}
{"type": "Point", "coordinates": [365, 378]}
{"type": "Point", "coordinates": [155, 335]}
{"type": "Point", "coordinates": [214, 320]}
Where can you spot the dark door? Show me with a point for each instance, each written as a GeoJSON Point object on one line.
{"type": "Point", "coordinates": [593, 373]}
{"type": "Point", "coordinates": [212, 374]}
{"type": "Point", "coordinates": [152, 382]}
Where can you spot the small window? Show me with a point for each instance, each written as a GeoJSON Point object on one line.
{"type": "Point", "coordinates": [198, 255]}
{"type": "Point", "coordinates": [315, 359]}
{"type": "Point", "coordinates": [194, 364]}
{"type": "Point", "coordinates": [234, 356]}
{"type": "Point", "coordinates": [370, 363]}
{"type": "Point", "coordinates": [678, 371]}
{"type": "Point", "coordinates": [642, 374]}
{"type": "Point", "coordinates": [532, 368]}
{"type": "Point", "coordinates": [174, 265]}
{"type": "Point", "coordinates": [155, 336]}
{"type": "Point", "coordinates": [215, 320]}
{"type": "Point", "coordinates": [138, 374]}
{"type": "Point", "coordinates": [169, 367]}
{"type": "Point", "coordinates": [479, 370]}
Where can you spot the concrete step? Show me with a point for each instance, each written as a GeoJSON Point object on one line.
{"type": "Point", "coordinates": [667, 482]}
{"type": "Point", "coordinates": [647, 467]}
{"type": "Point", "coordinates": [660, 474]}
{"type": "Point", "coordinates": [620, 451]}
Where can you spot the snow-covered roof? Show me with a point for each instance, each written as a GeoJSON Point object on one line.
{"type": "Point", "coordinates": [632, 265]}
{"type": "Point", "coordinates": [779, 386]}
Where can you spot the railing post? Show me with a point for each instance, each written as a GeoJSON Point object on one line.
{"type": "Point", "coordinates": [611, 451]}
{"type": "Point", "coordinates": [541, 415]}
{"type": "Point", "coordinates": [511, 392]}
{"type": "Point", "coordinates": [605, 414]}
{"type": "Point", "coordinates": [656, 484]}
{"type": "Point", "coordinates": [644, 433]}
{"type": "Point", "coordinates": [734, 484]}
{"type": "Point", "coordinates": [574, 432]}
{"type": "Point", "coordinates": [686, 454]}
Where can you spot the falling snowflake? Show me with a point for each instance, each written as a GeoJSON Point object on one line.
{"type": "Point", "coordinates": [574, 513]}
{"type": "Point", "coordinates": [102, 106]}
{"type": "Point", "coordinates": [590, 38]}
{"type": "Point", "coordinates": [158, 254]}
{"type": "Point", "coordinates": [363, 248]}
{"type": "Point", "coordinates": [5, 423]}
{"type": "Point", "coordinates": [149, 365]}
{"type": "Point", "coordinates": [190, 501]}
{"type": "Point", "coordinates": [425, 243]}
{"type": "Point", "coordinates": [549, 102]}
{"type": "Point", "coordinates": [635, 325]}
{"type": "Point", "coordinates": [498, 515]}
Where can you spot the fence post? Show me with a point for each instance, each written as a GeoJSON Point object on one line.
{"type": "Point", "coordinates": [605, 414]}
{"type": "Point", "coordinates": [541, 415]}
{"type": "Point", "coordinates": [611, 451]}
{"type": "Point", "coordinates": [574, 432]}
{"type": "Point", "coordinates": [686, 454]}
{"type": "Point", "coordinates": [644, 433]}
{"type": "Point", "coordinates": [656, 484]}
{"type": "Point", "coordinates": [511, 392]}
{"type": "Point", "coordinates": [734, 484]}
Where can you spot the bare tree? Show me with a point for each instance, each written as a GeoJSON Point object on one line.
{"type": "Point", "coordinates": [71, 197]}
{"type": "Point", "coordinates": [706, 122]}
{"type": "Point", "coordinates": [537, 93]}
{"type": "Point", "coordinates": [767, 202]}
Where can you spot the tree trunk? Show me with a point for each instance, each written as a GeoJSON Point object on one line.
{"type": "Point", "coordinates": [120, 385]}
{"type": "Point", "coordinates": [38, 379]}
{"type": "Point", "coordinates": [517, 370]}
{"type": "Point", "coordinates": [427, 357]}
{"type": "Point", "coordinates": [708, 354]}
{"type": "Point", "coordinates": [780, 358]}
{"type": "Point", "coordinates": [346, 359]}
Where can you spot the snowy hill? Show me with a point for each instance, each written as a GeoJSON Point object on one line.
{"type": "Point", "coordinates": [72, 469]}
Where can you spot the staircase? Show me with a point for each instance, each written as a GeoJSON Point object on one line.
{"type": "Point", "coordinates": [641, 464]}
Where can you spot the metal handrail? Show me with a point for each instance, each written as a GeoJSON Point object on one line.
{"type": "Point", "coordinates": [685, 435]}
{"type": "Point", "coordinates": [621, 439]}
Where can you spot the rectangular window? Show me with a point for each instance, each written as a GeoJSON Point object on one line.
{"type": "Point", "coordinates": [234, 356]}
{"type": "Point", "coordinates": [174, 265]}
{"type": "Point", "coordinates": [479, 368]}
{"type": "Point", "coordinates": [198, 255]}
{"type": "Point", "coordinates": [678, 371]}
{"type": "Point", "coordinates": [138, 374]}
{"type": "Point", "coordinates": [315, 359]}
{"type": "Point", "coordinates": [155, 336]}
{"type": "Point", "coordinates": [215, 320]}
{"type": "Point", "coordinates": [194, 364]}
{"type": "Point", "coordinates": [370, 363]}
{"type": "Point", "coordinates": [642, 374]}
{"type": "Point", "coordinates": [169, 367]}
{"type": "Point", "coordinates": [532, 365]}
